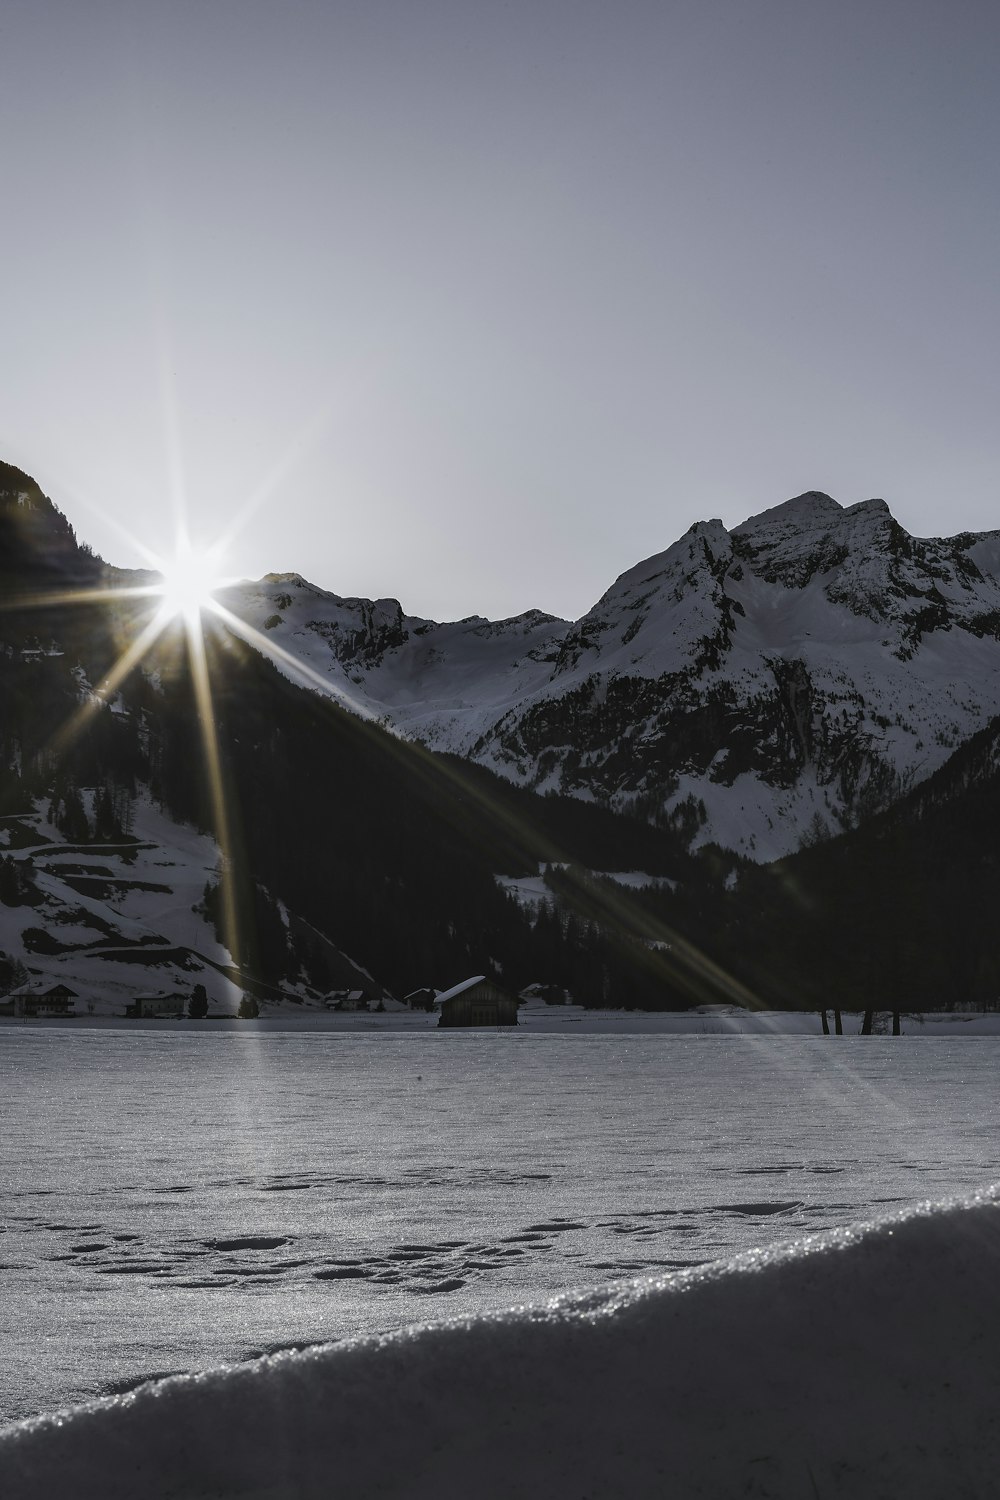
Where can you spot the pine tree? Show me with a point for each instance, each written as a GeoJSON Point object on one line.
{"type": "Point", "coordinates": [12, 974]}
{"type": "Point", "coordinates": [198, 1004]}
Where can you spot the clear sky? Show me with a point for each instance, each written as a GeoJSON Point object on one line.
{"type": "Point", "coordinates": [478, 304]}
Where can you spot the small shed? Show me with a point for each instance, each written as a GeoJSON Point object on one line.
{"type": "Point", "coordinates": [477, 1002]}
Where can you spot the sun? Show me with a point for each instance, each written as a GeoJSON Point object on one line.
{"type": "Point", "coordinates": [189, 581]}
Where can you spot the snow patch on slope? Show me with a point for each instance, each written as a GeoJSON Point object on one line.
{"type": "Point", "coordinates": [128, 914]}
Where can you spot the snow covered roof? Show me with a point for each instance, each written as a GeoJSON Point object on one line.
{"type": "Point", "coordinates": [32, 992]}
{"type": "Point", "coordinates": [459, 989]}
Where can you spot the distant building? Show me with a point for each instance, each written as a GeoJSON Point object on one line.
{"type": "Point", "coordinates": [38, 653]}
{"type": "Point", "coordinates": [161, 1007]}
{"type": "Point", "coordinates": [355, 1000]}
{"type": "Point", "coordinates": [552, 994]}
{"type": "Point", "coordinates": [348, 1000]}
{"type": "Point", "coordinates": [477, 1002]}
{"type": "Point", "coordinates": [57, 1000]}
{"type": "Point", "coordinates": [420, 999]}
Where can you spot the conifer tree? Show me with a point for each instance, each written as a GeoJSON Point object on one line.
{"type": "Point", "coordinates": [198, 1004]}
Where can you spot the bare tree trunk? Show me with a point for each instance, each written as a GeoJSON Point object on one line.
{"type": "Point", "coordinates": [866, 1024]}
{"type": "Point", "coordinates": [826, 1022]}
{"type": "Point", "coordinates": [838, 1024]}
{"type": "Point", "coordinates": [895, 1023]}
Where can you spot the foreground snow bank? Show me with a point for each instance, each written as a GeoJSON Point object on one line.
{"type": "Point", "coordinates": [858, 1363]}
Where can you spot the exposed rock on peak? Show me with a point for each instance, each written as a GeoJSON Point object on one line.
{"type": "Point", "coordinates": [811, 508]}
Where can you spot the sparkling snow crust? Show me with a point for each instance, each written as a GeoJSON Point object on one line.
{"type": "Point", "coordinates": [859, 1363]}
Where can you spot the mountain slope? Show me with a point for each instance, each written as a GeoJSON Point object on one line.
{"type": "Point", "coordinates": [755, 688]}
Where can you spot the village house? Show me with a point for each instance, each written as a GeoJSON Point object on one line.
{"type": "Point", "coordinates": [422, 999]}
{"type": "Point", "coordinates": [160, 1007]}
{"type": "Point", "coordinates": [348, 1000]}
{"type": "Point", "coordinates": [57, 1000]}
{"type": "Point", "coordinates": [477, 1002]}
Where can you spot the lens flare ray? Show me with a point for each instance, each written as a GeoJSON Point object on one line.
{"type": "Point", "coordinates": [298, 669]}
{"type": "Point", "coordinates": [110, 683]}
{"type": "Point", "coordinates": [202, 682]}
{"type": "Point", "coordinates": [63, 598]}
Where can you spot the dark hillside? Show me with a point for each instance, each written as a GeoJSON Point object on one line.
{"type": "Point", "coordinates": [392, 851]}
{"type": "Point", "coordinates": [38, 547]}
{"type": "Point", "coordinates": [902, 911]}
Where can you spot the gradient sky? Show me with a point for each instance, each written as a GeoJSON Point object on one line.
{"type": "Point", "coordinates": [478, 304]}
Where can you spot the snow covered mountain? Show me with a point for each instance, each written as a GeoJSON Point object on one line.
{"type": "Point", "coordinates": [760, 687]}
{"type": "Point", "coordinates": [757, 688]}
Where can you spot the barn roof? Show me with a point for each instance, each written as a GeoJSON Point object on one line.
{"type": "Point", "coordinates": [459, 989]}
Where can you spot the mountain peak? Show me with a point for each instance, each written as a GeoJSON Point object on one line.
{"type": "Point", "coordinates": [868, 507]}
{"type": "Point", "coordinates": [802, 512]}
{"type": "Point", "coordinates": [811, 500]}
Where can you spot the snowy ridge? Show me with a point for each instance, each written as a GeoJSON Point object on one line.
{"type": "Point", "coordinates": [859, 1363]}
{"type": "Point", "coordinates": [757, 688]}
{"type": "Point", "coordinates": [441, 683]}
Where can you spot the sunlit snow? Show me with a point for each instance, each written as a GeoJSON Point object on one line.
{"type": "Point", "coordinates": [177, 1196]}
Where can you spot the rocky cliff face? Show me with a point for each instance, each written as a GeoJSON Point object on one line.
{"type": "Point", "coordinates": [759, 688]}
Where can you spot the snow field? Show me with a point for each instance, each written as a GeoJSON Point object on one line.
{"type": "Point", "coordinates": [858, 1363]}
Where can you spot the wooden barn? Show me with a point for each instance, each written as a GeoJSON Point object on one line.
{"type": "Point", "coordinates": [477, 1002]}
